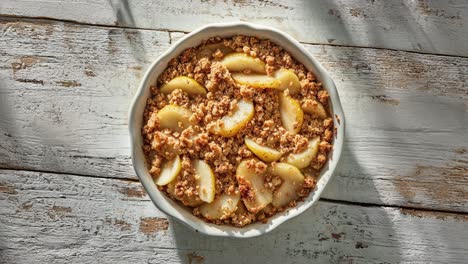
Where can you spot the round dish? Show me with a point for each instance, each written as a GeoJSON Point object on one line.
{"type": "Point", "coordinates": [177, 211]}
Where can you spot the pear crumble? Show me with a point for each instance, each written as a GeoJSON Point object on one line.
{"type": "Point", "coordinates": [236, 130]}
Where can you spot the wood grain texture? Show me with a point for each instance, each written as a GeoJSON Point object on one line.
{"type": "Point", "coordinates": [423, 26]}
{"type": "Point", "coordinates": [49, 218]}
{"type": "Point", "coordinates": [65, 91]}
{"type": "Point", "coordinates": [65, 95]}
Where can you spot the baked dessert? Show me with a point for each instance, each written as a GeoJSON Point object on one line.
{"type": "Point", "coordinates": [236, 130]}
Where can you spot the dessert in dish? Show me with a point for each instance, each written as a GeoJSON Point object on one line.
{"type": "Point", "coordinates": [236, 130]}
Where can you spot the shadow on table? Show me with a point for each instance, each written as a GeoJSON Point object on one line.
{"type": "Point", "coordinates": [125, 18]}
{"type": "Point", "coordinates": [6, 130]}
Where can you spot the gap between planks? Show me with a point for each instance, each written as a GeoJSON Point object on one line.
{"type": "Point", "coordinates": [342, 202]}
{"type": "Point", "coordinates": [49, 19]}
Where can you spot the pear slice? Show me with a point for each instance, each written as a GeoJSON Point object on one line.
{"type": "Point", "coordinates": [169, 171]}
{"type": "Point", "coordinates": [184, 83]}
{"type": "Point", "coordinates": [303, 159]}
{"type": "Point", "coordinates": [192, 201]}
{"type": "Point", "coordinates": [221, 208]}
{"type": "Point", "coordinates": [171, 115]}
{"type": "Point", "coordinates": [256, 80]}
{"type": "Point", "coordinates": [264, 153]}
{"type": "Point", "coordinates": [258, 196]}
{"type": "Point", "coordinates": [209, 49]}
{"type": "Point", "coordinates": [314, 108]}
{"type": "Point", "coordinates": [291, 113]}
{"type": "Point", "coordinates": [232, 124]}
{"type": "Point", "coordinates": [239, 61]}
{"type": "Point", "coordinates": [289, 80]}
{"type": "Point", "coordinates": [292, 182]}
{"type": "Point", "coordinates": [206, 181]}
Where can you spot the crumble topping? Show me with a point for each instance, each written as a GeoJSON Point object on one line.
{"type": "Point", "coordinates": [224, 154]}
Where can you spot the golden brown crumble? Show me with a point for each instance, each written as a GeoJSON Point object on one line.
{"type": "Point", "coordinates": [224, 154]}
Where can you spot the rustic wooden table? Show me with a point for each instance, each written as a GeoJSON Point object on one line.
{"type": "Point", "coordinates": [68, 193]}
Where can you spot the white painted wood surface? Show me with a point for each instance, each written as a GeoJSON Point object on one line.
{"type": "Point", "coordinates": [422, 25]}
{"type": "Point", "coordinates": [65, 88]}
{"type": "Point", "coordinates": [49, 218]}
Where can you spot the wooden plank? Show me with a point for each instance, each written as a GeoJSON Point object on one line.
{"type": "Point", "coordinates": [50, 218]}
{"type": "Point", "coordinates": [423, 26]}
{"type": "Point", "coordinates": [65, 94]}
{"type": "Point", "coordinates": [65, 91]}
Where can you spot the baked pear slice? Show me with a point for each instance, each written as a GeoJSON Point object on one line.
{"type": "Point", "coordinates": [291, 113]}
{"type": "Point", "coordinates": [184, 83]}
{"type": "Point", "coordinates": [169, 171]}
{"type": "Point", "coordinates": [205, 181]}
{"type": "Point", "coordinates": [239, 61]}
{"type": "Point", "coordinates": [256, 80]}
{"type": "Point", "coordinates": [293, 181]}
{"type": "Point", "coordinates": [289, 80]}
{"type": "Point", "coordinates": [231, 124]}
{"type": "Point", "coordinates": [221, 208]}
{"type": "Point", "coordinates": [174, 117]}
{"type": "Point", "coordinates": [257, 196]}
{"type": "Point", "coordinates": [303, 159]}
{"type": "Point", "coordinates": [314, 108]}
{"type": "Point", "coordinates": [264, 153]}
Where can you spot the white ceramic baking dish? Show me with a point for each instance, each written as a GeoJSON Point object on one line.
{"type": "Point", "coordinates": [195, 38]}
